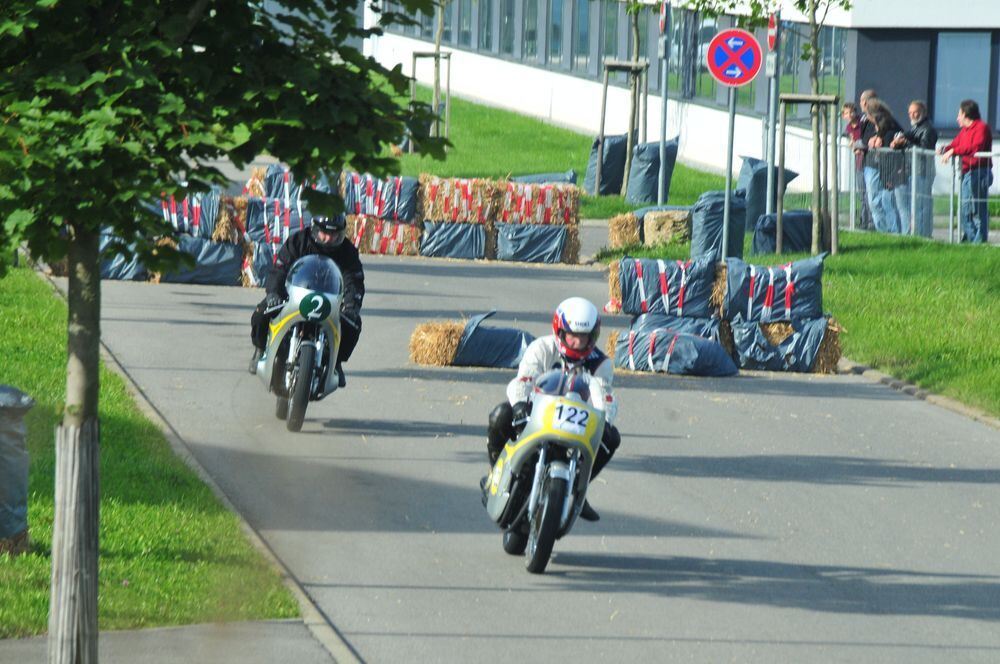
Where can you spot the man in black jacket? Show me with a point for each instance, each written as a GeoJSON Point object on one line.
{"type": "Point", "coordinates": [325, 237]}
{"type": "Point", "coordinates": [921, 134]}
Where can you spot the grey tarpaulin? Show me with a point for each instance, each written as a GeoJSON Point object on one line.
{"type": "Point", "coordinates": [116, 266]}
{"type": "Point", "coordinates": [216, 263]}
{"type": "Point", "coordinates": [707, 328]}
{"type": "Point", "coordinates": [263, 261]}
{"type": "Point", "coordinates": [394, 198]}
{"type": "Point", "coordinates": [669, 351]}
{"type": "Point", "coordinates": [796, 230]}
{"type": "Point", "coordinates": [264, 219]}
{"type": "Point", "coordinates": [796, 353]}
{"type": "Point", "coordinates": [684, 289]}
{"type": "Point", "coordinates": [569, 177]}
{"type": "Point", "coordinates": [255, 219]}
{"type": "Point", "coordinates": [14, 404]}
{"type": "Point", "coordinates": [612, 169]}
{"type": "Point", "coordinates": [753, 181]}
{"type": "Point", "coordinates": [530, 243]}
{"type": "Point", "coordinates": [500, 347]}
{"type": "Point", "coordinates": [274, 182]}
{"type": "Point", "coordinates": [644, 170]}
{"type": "Point", "coordinates": [758, 293]}
{"type": "Point", "coordinates": [209, 213]}
{"type": "Point", "coordinates": [641, 213]}
{"type": "Point", "coordinates": [446, 240]}
{"type": "Point", "coordinates": [706, 224]}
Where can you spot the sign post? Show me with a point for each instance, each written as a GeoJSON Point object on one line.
{"type": "Point", "coordinates": [773, 73]}
{"type": "Point", "coordinates": [734, 59]}
{"type": "Point", "coordinates": [661, 194]}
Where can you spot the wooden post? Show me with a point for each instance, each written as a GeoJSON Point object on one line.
{"type": "Point", "coordinates": [600, 137]}
{"type": "Point", "coordinates": [633, 79]}
{"type": "Point", "coordinates": [835, 200]}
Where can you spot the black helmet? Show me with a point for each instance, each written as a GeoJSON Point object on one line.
{"type": "Point", "coordinates": [333, 230]}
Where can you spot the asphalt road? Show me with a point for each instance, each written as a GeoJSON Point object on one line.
{"type": "Point", "coordinates": [765, 517]}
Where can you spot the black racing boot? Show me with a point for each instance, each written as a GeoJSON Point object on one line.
{"type": "Point", "coordinates": [341, 378]}
{"type": "Point", "coordinates": [254, 359]}
{"type": "Point", "coordinates": [588, 513]}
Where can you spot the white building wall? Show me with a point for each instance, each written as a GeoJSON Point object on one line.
{"type": "Point", "coordinates": [575, 103]}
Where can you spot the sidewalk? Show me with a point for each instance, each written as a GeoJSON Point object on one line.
{"type": "Point", "coordinates": [225, 643]}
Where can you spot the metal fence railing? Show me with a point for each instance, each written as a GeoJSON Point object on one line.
{"type": "Point", "coordinates": [911, 192]}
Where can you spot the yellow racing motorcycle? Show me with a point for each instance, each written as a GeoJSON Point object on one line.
{"type": "Point", "coordinates": [538, 484]}
{"type": "Point", "coordinates": [303, 339]}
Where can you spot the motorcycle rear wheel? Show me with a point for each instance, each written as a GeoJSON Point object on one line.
{"type": "Point", "coordinates": [515, 541]}
{"type": "Point", "coordinates": [544, 524]}
{"type": "Point", "coordinates": [301, 386]}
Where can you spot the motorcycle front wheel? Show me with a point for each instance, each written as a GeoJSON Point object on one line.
{"type": "Point", "coordinates": [301, 385]}
{"type": "Point", "coordinates": [544, 524]}
{"type": "Point", "coordinates": [281, 408]}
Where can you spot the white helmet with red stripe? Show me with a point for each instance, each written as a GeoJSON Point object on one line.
{"type": "Point", "coordinates": [577, 316]}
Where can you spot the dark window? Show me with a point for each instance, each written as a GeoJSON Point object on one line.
{"type": "Point", "coordinates": [581, 35]}
{"type": "Point", "coordinates": [465, 23]}
{"type": "Point", "coordinates": [485, 25]}
{"type": "Point", "coordinates": [449, 13]}
{"type": "Point", "coordinates": [530, 30]}
{"type": "Point", "coordinates": [555, 31]}
{"type": "Point", "coordinates": [963, 72]}
{"type": "Point", "coordinates": [507, 27]}
{"type": "Point", "coordinates": [427, 26]}
{"type": "Point", "coordinates": [609, 29]}
{"type": "Point", "coordinates": [704, 85]}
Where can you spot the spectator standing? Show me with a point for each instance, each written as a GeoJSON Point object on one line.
{"type": "Point", "coordinates": [974, 136]}
{"type": "Point", "coordinates": [853, 121]}
{"type": "Point", "coordinates": [921, 134]}
{"type": "Point", "coordinates": [881, 169]}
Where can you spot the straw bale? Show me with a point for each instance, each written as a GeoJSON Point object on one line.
{"type": "Point", "coordinates": [523, 203]}
{"type": "Point", "coordinates": [614, 304]}
{"type": "Point", "coordinates": [571, 252]}
{"type": "Point", "coordinates": [435, 343]}
{"type": "Point", "coordinates": [609, 347]}
{"type": "Point", "coordinates": [246, 273]}
{"type": "Point", "coordinates": [830, 350]}
{"type": "Point", "coordinates": [726, 338]}
{"type": "Point", "coordinates": [718, 297]}
{"type": "Point", "coordinates": [380, 237]}
{"type": "Point", "coordinates": [623, 230]}
{"type": "Point", "coordinates": [457, 200]}
{"type": "Point", "coordinates": [665, 226]}
{"type": "Point", "coordinates": [490, 246]}
{"type": "Point", "coordinates": [255, 185]}
{"type": "Point", "coordinates": [225, 226]}
{"type": "Point", "coordinates": [154, 277]}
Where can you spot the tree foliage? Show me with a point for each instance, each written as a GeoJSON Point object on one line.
{"type": "Point", "coordinates": [105, 103]}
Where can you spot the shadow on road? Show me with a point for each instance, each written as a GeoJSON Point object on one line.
{"type": "Point", "coordinates": [830, 588]}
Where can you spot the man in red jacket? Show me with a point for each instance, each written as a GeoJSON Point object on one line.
{"type": "Point", "coordinates": [974, 136]}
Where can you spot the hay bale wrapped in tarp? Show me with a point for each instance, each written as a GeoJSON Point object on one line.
{"type": "Point", "coordinates": [372, 235]}
{"type": "Point", "coordinates": [195, 215]}
{"type": "Point", "coordinates": [612, 165]}
{"type": "Point", "coordinates": [648, 285]}
{"type": "Point", "coordinates": [116, 266]}
{"type": "Point", "coordinates": [753, 181]}
{"type": "Point", "coordinates": [796, 231]}
{"type": "Point", "coordinates": [453, 240]}
{"type": "Point", "coordinates": [569, 177]}
{"type": "Point", "coordinates": [456, 200]}
{"type": "Point", "coordinates": [270, 220]}
{"type": "Point", "coordinates": [706, 224]}
{"type": "Point", "coordinates": [706, 328]}
{"type": "Point", "coordinates": [470, 344]}
{"type": "Point", "coordinates": [802, 345]}
{"type": "Point", "coordinates": [531, 243]}
{"type": "Point", "coordinates": [670, 351]}
{"type": "Point", "coordinates": [14, 405]}
{"type": "Point", "coordinates": [538, 203]}
{"type": "Point", "coordinates": [500, 347]}
{"type": "Point", "coordinates": [215, 263]}
{"type": "Point", "coordinates": [395, 198]}
{"type": "Point", "coordinates": [643, 186]}
{"type": "Point", "coordinates": [793, 291]}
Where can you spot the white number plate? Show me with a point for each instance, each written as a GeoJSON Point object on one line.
{"type": "Point", "coordinates": [571, 419]}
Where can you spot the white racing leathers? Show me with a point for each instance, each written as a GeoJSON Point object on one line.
{"type": "Point", "coordinates": [542, 355]}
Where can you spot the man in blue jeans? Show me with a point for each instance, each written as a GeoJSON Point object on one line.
{"type": "Point", "coordinates": [974, 136]}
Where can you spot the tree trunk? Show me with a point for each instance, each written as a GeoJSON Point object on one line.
{"type": "Point", "coordinates": [438, 35]}
{"type": "Point", "coordinates": [634, 105]}
{"type": "Point", "coordinates": [73, 605]}
{"type": "Point", "coordinates": [814, 55]}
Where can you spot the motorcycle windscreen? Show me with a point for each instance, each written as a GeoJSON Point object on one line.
{"type": "Point", "coordinates": [317, 273]}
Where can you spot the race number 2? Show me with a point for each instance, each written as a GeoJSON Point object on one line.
{"type": "Point", "coordinates": [571, 419]}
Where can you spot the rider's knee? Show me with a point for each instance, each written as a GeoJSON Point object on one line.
{"type": "Point", "coordinates": [502, 418]}
{"type": "Point", "coordinates": [612, 438]}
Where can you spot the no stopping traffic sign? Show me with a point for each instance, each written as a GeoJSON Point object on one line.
{"type": "Point", "coordinates": [734, 57]}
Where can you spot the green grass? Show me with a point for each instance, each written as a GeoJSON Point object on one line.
{"type": "Point", "coordinates": [923, 311]}
{"type": "Point", "coordinates": [494, 143]}
{"type": "Point", "coordinates": [170, 552]}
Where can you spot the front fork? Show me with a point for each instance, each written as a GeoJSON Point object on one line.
{"type": "Point", "coordinates": [569, 474]}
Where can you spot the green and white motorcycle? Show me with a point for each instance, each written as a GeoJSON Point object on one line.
{"type": "Point", "coordinates": [538, 484]}
{"type": "Point", "coordinates": [303, 339]}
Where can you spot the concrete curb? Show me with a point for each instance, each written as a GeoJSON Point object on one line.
{"type": "Point", "coordinates": [313, 617]}
{"type": "Point", "coordinates": [847, 366]}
